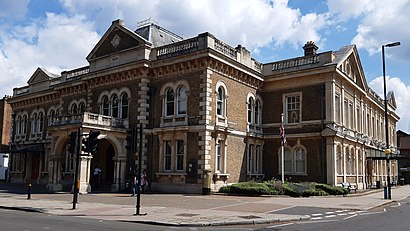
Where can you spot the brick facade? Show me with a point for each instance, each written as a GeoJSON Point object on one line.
{"type": "Point", "coordinates": [210, 115]}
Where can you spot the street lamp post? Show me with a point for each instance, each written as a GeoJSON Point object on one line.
{"type": "Point", "coordinates": [386, 120]}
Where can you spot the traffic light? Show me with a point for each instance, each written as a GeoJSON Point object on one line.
{"type": "Point", "coordinates": [84, 145]}
{"type": "Point", "coordinates": [93, 141]}
{"type": "Point", "coordinates": [73, 141]}
{"type": "Point", "coordinates": [131, 144]}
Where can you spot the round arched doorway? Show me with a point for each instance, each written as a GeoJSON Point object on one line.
{"type": "Point", "coordinates": [102, 167]}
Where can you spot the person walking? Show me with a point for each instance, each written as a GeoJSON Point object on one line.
{"type": "Point", "coordinates": [96, 175]}
{"type": "Point", "coordinates": [144, 181]}
{"type": "Point", "coordinates": [134, 186]}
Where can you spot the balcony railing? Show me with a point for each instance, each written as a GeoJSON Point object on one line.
{"type": "Point", "coordinates": [78, 71]}
{"type": "Point", "coordinates": [202, 42]}
{"type": "Point", "coordinates": [92, 119]}
{"type": "Point", "coordinates": [183, 47]}
{"type": "Point", "coordinates": [297, 62]}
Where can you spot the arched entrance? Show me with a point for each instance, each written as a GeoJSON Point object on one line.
{"type": "Point", "coordinates": [103, 159]}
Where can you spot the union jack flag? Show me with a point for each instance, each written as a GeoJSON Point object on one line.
{"type": "Point", "coordinates": [282, 131]}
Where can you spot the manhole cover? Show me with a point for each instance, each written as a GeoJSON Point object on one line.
{"type": "Point", "coordinates": [249, 217]}
{"type": "Point", "coordinates": [187, 214]}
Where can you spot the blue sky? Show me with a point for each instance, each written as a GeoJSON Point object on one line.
{"type": "Point", "coordinates": [58, 34]}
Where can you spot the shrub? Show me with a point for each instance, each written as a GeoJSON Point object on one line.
{"type": "Point", "coordinates": [293, 189]}
{"type": "Point", "coordinates": [250, 188]}
{"type": "Point", "coordinates": [314, 192]}
{"type": "Point", "coordinates": [275, 186]}
{"type": "Point", "coordinates": [332, 190]}
{"type": "Point", "coordinates": [224, 189]}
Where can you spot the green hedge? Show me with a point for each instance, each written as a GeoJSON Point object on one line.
{"type": "Point", "coordinates": [250, 188]}
{"type": "Point", "coordinates": [275, 187]}
{"type": "Point", "coordinates": [332, 190]}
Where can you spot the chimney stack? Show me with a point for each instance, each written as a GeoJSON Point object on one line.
{"type": "Point", "coordinates": [310, 48]}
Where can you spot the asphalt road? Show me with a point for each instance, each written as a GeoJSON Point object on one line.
{"type": "Point", "coordinates": [391, 217]}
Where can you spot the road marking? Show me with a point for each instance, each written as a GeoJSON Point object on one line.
{"type": "Point", "coordinates": [329, 212]}
{"type": "Point", "coordinates": [316, 214]}
{"type": "Point", "coordinates": [349, 217]}
{"type": "Point", "coordinates": [316, 218]}
{"type": "Point", "coordinates": [371, 213]}
{"type": "Point", "coordinates": [330, 216]}
{"type": "Point", "coordinates": [394, 206]}
{"type": "Point", "coordinates": [274, 226]}
{"type": "Point", "coordinates": [310, 222]}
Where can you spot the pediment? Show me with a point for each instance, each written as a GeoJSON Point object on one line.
{"type": "Point", "coordinates": [391, 100]}
{"type": "Point", "coordinates": [116, 39]}
{"type": "Point", "coordinates": [41, 75]}
{"type": "Point", "coordinates": [349, 64]}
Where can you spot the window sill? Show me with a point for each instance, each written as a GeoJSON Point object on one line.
{"type": "Point", "coordinates": [256, 175]}
{"type": "Point", "coordinates": [295, 174]}
{"type": "Point", "coordinates": [221, 175]}
{"type": "Point", "coordinates": [170, 174]}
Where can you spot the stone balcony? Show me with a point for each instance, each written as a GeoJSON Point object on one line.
{"type": "Point", "coordinates": [91, 119]}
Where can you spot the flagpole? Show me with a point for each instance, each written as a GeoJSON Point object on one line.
{"type": "Point", "coordinates": [282, 150]}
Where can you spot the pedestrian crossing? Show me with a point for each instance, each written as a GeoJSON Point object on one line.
{"type": "Point", "coordinates": [345, 214]}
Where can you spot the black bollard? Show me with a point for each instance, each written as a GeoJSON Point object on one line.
{"type": "Point", "coordinates": [29, 190]}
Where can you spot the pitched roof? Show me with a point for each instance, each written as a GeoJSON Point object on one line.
{"type": "Point", "coordinates": [157, 35]}
{"type": "Point", "coordinates": [41, 75]}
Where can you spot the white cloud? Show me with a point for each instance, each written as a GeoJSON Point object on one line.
{"type": "Point", "coordinates": [402, 95]}
{"type": "Point", "coordinates": [347, 9]}
{"type": "Point", "coordinates": [55, 43]}
{"type": "Point", "coordinates": [380, 22]}
{"type": "Point", "coordinates": [251, 23]}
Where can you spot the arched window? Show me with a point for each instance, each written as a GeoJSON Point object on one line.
{"type": "Point", "coordinates": [294, 160]}
{"type": "Point", "coordinates": [288, 157]}
{"type": "Point", "coordinates": [74, 108]}
{"type": "Point", "coordinates": [300, 160]}
{"type": "Point", "coordinates": [250, 110]}
{"type": "Point", "coordinates": [257, 112]}
{"type": "Point", "coordinates": [34, 124]}
{"type": "Point", "coordinates": [19, 125]}
{"type": "Point", "coordinates": [81, 108]}
{"type": "Point", "coordinates": [41, 122]}
{"type": "Point", "coordinates": [114, 106]}
{"type": "Point", "coordinates": [169, 99]}
{"type": "Point", "coordinates": [124, 105]}
{"type": "Point", "coordinates": [24, 124]}
{"type": "Point", "coordinates": [220, 102]}
{"type": "Point", "coordinates": [182, 100]}
{"type": "Point", "coordinates": [105, 106]}
{"type": "Point", "coordinates": [51, 117]}
{"type": "Point", "coordinates": [339, 160]}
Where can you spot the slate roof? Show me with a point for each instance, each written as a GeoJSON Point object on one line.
{"type": "Point", "coordinates": [157, 35]}
{"type": "Point", "coordinates": [342, 53]}
{"type": "Point", "coordinates": [51, 75]}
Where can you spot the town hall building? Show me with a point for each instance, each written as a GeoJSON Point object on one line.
{"type": "Point", "coordinates": [210, 116]}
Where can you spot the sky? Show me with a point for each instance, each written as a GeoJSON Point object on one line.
{"type": "Point", "coordinates": [58, 34]}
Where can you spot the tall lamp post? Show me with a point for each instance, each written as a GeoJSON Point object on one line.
{"type": "Point", "coordinates": [386, 120]}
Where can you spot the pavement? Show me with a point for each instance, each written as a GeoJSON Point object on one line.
{"type": "Point", "coordinates": [185, 209]}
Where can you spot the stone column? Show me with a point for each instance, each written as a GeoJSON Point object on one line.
{"type": "Point", "coordinates": [84, 174]}
{"type": "Point", "coordinates": [119, 174]}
